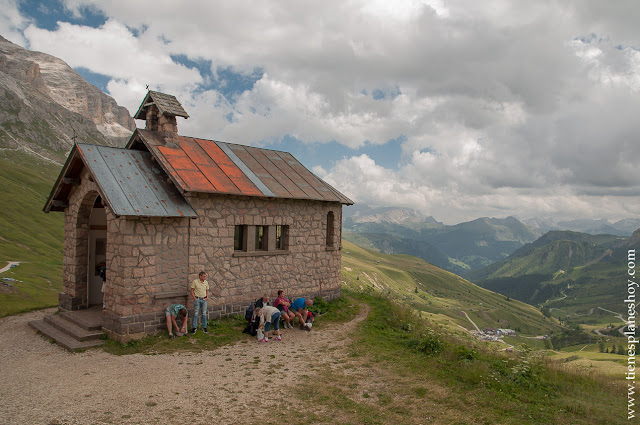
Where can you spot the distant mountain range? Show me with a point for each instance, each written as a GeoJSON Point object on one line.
{"type": "Point", "coordinates": [464, 247]}
{"type": "Point", "coordinates": [594, 227]}
{"type": "Point", "coordinates": [458, 248]}
{"type": "Point", "coordinates": [554, 252]}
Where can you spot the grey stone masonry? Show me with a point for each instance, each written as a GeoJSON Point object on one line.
{"type": "Point", "coordinates": [151, 261]}
{"type": "Point", "coordinates": [75, 260]}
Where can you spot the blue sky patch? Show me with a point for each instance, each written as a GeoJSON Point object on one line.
{"type": "Point", "coordinates": [226, 81]}
{"type": "Point", "coordinates": [98, 80]}
{"type": "Point", "coordinates": [232, 84]}
{"type": "Point", "coordinates": [47, 14]}
{"type": "Point", "coordinates": [378, 94]}
{"type": "Point", "coordinates": [388, 155]}
{"type": "Point", "coordinates": [202, 65]}
{"type": "Point", "coordinates": [385, 94]}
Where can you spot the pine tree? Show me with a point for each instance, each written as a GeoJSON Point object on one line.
{"type": "Point", "coordinates": [601, 346]}
{"type": "Point", "coordinates": [621, 350]}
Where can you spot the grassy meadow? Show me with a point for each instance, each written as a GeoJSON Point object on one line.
{"type": "Point", "coordinates": [441, 298]}
{"type": "Point", "coordinates": [405, 368]}
{"type": "Point", "coordinates": [438, 294]}
{"type": "Point", "coordinates": [29, 235]}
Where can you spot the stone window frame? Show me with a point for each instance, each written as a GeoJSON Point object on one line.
{"type": "Point", "coordinates": [249, 245]}
{"type": "Point", "coordinates": [261, 238]}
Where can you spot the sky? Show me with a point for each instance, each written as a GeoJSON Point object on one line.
{"type": "Point", "coordinates": [458, 109]}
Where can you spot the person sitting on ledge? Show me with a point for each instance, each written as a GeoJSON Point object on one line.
{"type": "Point", "coordinates": [283, 304]}
{"type": "Point", "coordinates": [176, 311]}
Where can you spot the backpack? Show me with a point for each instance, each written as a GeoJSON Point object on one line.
{"type": "Point", "coordinates": [252, 328]}
{"type": "Point", "coordinates": [248, 314]}
{"type": "Point", "coordinates": [254, 322]}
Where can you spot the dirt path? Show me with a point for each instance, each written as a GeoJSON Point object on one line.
{"type": "Point", "coordinates": [472, 322]}
{"type": "Point", "coordinates": [8, 266]}
{"type": "Point", "coordinates": [41, 383]}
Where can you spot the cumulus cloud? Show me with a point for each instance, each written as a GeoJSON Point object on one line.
{"type": "Point", "coordinates": [114, 51]}
{"type": "Point", "coordinates": [501, 106]}
{"type": "Point", "coordinates": [12, 22]}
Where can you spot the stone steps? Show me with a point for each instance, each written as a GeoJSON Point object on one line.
{"type": "Point", "coordinates": [85, 319]}
{"type": "Point", "coordinates": [73, 329]}
{"type": "Point", "coordinates": [69, 332]}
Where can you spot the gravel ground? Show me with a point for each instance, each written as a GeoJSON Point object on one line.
{"type": "Point", "coordinates": [41, 383]}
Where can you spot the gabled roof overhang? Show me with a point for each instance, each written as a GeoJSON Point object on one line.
{"type": "Point", "coordinates": [130, 182]}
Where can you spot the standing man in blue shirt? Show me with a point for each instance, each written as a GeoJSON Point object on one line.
{"type": "Point", "coordinates": [200, 294]}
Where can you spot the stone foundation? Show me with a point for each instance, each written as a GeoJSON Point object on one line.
{"type": "Point", "coordinates": [68, 303]}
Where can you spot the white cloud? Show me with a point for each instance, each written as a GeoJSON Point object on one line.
{"type": "Point", "coordinates": [501, 105]}
{"type": "Point", "coordinates": [114, 51]}
{"type": "Point", "coordinates": [319, 171]}
{"type": "Point", "coordinates": [12, 22]}
{"type": "Point", "coordinates": [361, 179]}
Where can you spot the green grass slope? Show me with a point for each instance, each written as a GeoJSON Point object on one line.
{"type": "Point", "coordinates": [443, 295]}
{"type": "Point", "coordinates": [575, 275]}
{"type": "Point", "coordinates": [553, 251]}
{"type": "Point", "coordinates": [554, 257]}
{"type": "Point", "coordinates": [392, 244]}
{"type": "Point", "coordinates": [29, 235]}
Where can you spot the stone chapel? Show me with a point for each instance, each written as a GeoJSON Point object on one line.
{"type": "Point", "coordinates": [157, 212]}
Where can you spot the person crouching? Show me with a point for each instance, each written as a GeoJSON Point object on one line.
{"type": "Point", "coordinates": [271, 317]}
{"type": "Point", "coordinates": [176, 311]}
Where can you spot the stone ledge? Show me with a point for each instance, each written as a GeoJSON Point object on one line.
{"type": "Point", "coordinates": [165, 295]}
{"type": "Point", "coordinates": [259, 253]}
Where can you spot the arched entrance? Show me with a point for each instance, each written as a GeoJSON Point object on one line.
{"type": "Point", "coordinates": [97, 255]}
{"type": "Point", "coordinates": [82, 234]}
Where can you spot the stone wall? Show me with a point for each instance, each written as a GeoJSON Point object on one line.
{"type": "Point", "coordinates": [309, 268]}
{"type": "Point", "coordinates": [146, 270]}
{"type": "Point", "coordinates": [151, 261]}
{"type": "Point", "coordinates": [149, 258]}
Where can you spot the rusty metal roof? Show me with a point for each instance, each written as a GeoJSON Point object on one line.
{"type": "Point", "coordinates": [129, 181]}
{"type": "Point", "coordinates": [166, 103]}
{"type": "Point", "coordinates": [200, 165]}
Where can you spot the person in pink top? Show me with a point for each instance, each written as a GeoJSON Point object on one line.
{"type": "Point", "coordinates": [283, 304]}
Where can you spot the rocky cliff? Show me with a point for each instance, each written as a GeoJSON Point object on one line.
{"type": "Point", "coordinates": [44, 103]}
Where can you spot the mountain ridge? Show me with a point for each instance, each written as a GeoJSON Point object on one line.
{"type": "Point", "coordinates": [46, 106]}
{"type": "Point", "coordinates": [570, 273]}
{"type": "Point", "coordinates": [457, 248]}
